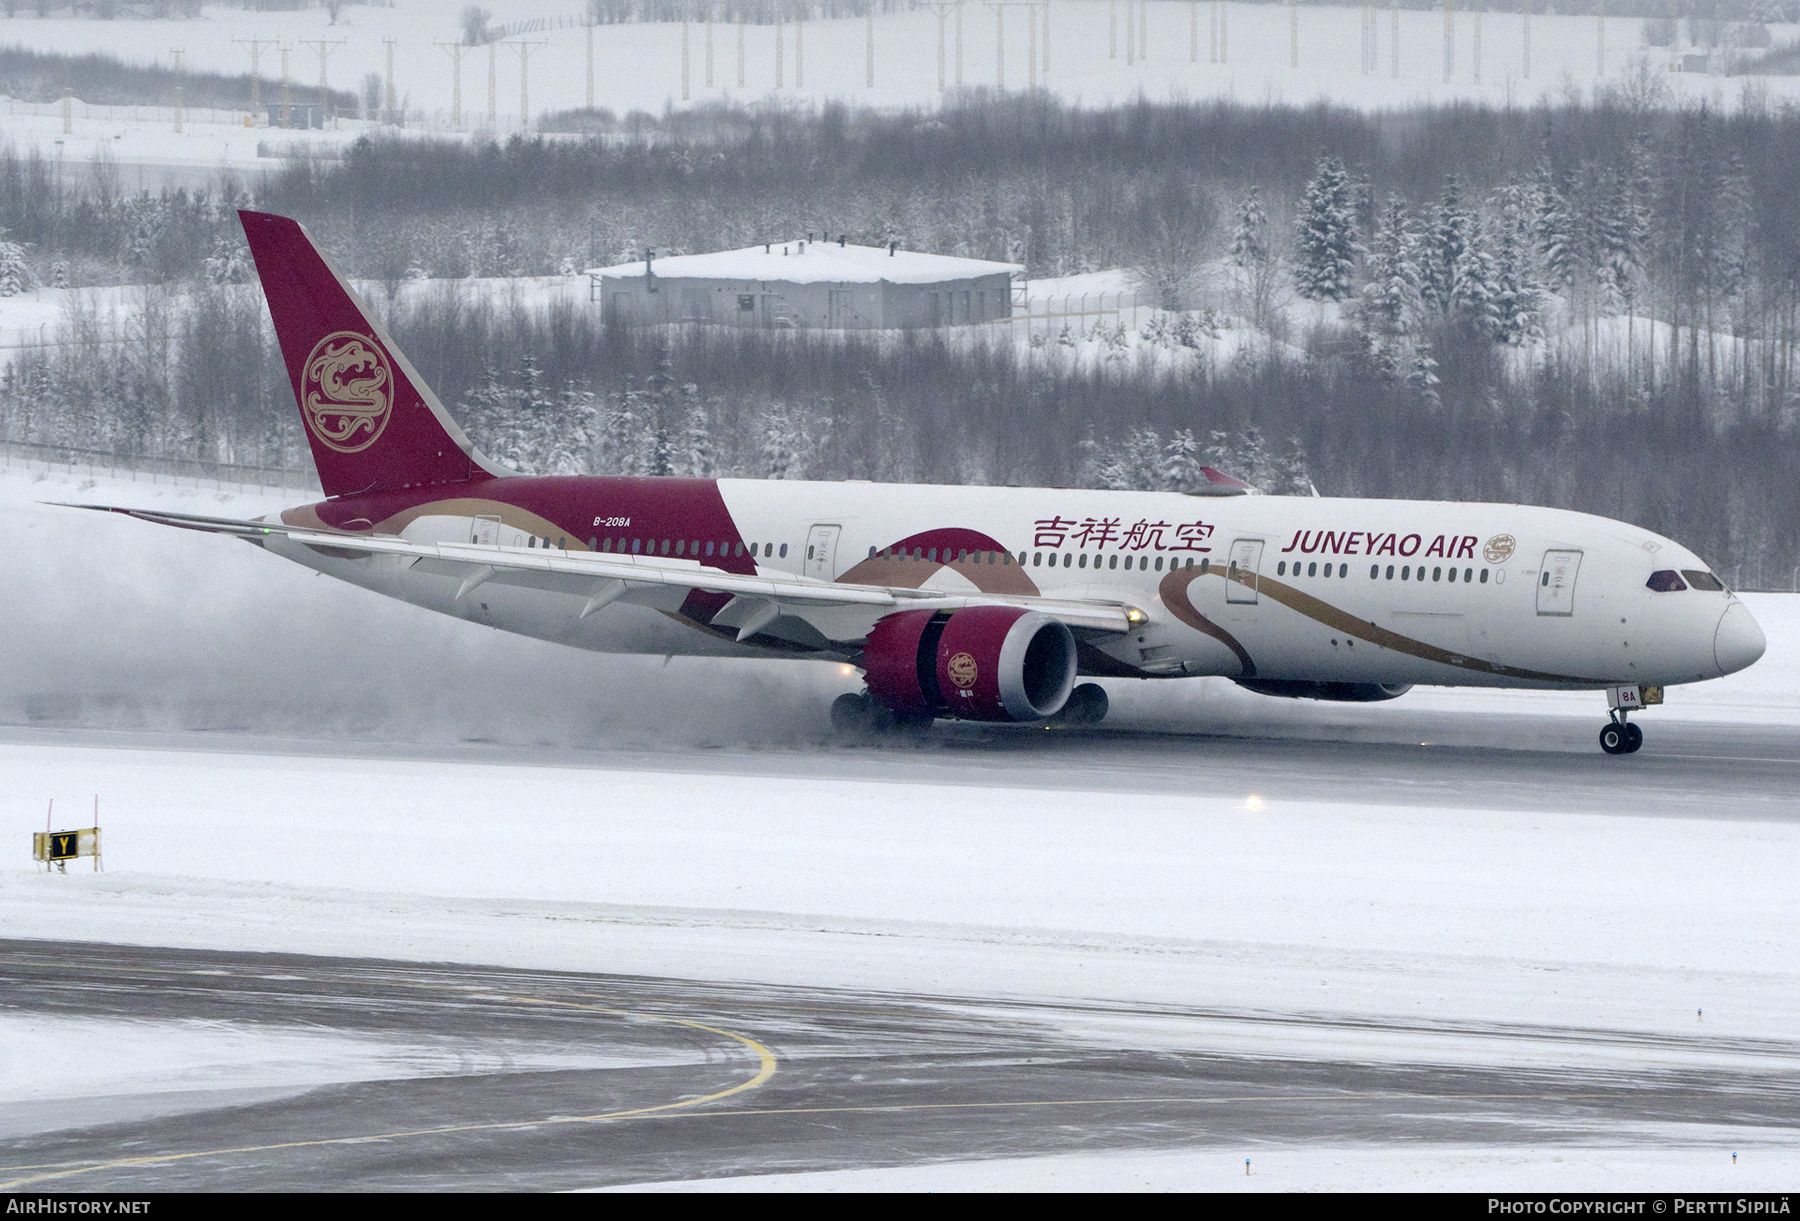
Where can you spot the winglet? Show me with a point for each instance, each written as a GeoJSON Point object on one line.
{"type": "Point", "coordinates": [373, 423]}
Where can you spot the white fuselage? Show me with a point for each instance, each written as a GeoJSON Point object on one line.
{"type": "Point", "coordinates": [1277, 588]}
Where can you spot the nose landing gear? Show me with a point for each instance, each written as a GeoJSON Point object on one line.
{"type": "Point", "coordinates": [1620, 737]}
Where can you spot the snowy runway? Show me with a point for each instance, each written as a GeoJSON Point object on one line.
{"type": "Point", "coordinates": [581, 1080]}
{"type": "Point", "coordinates": [1231, 894]}
{"type": "Point", "coordinates": [1415, 927]}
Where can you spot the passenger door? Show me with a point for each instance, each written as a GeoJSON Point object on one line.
{"type": "Point", "coordinates": [1246, 563]}
{"type": "Point", "coordinates": [821, 552]}
{"type": "Point", "coordinates": [1556, 582]}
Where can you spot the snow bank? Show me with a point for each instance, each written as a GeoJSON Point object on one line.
{"type": "Point", "coordinates": [951, 881]}
{"type": "Point", "coordinates": [1667, 1162]}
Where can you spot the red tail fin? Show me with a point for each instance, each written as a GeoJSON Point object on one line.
{"type": "Point", "coordinates": [373, 423]}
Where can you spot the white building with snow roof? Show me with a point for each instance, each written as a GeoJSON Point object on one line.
{"type": "Point", "coordinates": [808, 284]}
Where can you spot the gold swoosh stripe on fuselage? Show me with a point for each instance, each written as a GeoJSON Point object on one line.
{"type": "Point", "coordinates": [1320, 611]}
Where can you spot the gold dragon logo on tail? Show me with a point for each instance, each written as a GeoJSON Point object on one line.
{"type": "Point", "coordinates": [348, 392]}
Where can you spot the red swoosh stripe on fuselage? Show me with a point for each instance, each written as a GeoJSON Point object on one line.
{"type": "Point", "coordinates": [1002, 575]}
{"type": "Point", "coordinates": [563, 506]}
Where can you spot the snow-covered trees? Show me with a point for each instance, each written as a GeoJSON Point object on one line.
{"type": "Point", "coordinates": [1142, 460]}
{"type": "Point", "coordinates": [1325, 237]}
{"type": "Point", "coordinates": [15, 273]}
{"type": "Point", "coordinates": [1392, 294]}
{"type": "Point", "coordinates": [228, 263]}
{"type": "Point", "coordinates": [1517, 299]}
{"type": "Point", "coordinates": [1391, 307]}
{"type": "Point", "coordinates": [1254, 264]}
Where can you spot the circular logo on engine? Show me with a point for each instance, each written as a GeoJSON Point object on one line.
{"type": "Point", "coordinates": [347, 392]}
{"type": "Point", "coordinates": [963, 670]}
{"type": "Point", "coordinates": [1499, 549]}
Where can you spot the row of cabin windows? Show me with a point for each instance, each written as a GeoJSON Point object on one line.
{"type": "Point", "coordinates": [953, 556]}
{"type": "Point", "coordinates": [1407, 572]}
{"type": "Point", "coordinates": [696, 549]}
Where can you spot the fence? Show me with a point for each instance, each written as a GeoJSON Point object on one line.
{"type": "Point", "coordinates": [123, 114]}
{"type": "Point", "coordinates": [175, 472]}
{"type": "Point", "coordinates": [1759, 581]}
{"type": "Point", "coordinates": [1079, 313]}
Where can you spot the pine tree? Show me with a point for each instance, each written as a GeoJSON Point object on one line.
{"type": "Point", "coordinates": [15, 274]}
{"type": "Point", "coordinates": [1447, 240]}
{"type": "Point", "coordinates": [1557, 231]}
{"type": "Point", "coordinates": [698, 459]}
{"type": "Point", "coordinates": [1325, 232]}
{"type": "Point", "coordinates": [1474, 282]}
{"type": "Point", "coordinates": [1134, 464]}
{"type": "Point", "coordinates": [226, 264]}
{"type": "Point", "coordinates": [1518, 298]}
{"type": "Point", "coordinates": [1254, 265]}
{"type": "Point", "coordinates": [1249, 240]}
{"type": "Point", "coordinates": [1181, 463]}
{"type": "Point", "coordinates": [1391, 292]}
{"type": "Point", "coordinates": [783, 444]}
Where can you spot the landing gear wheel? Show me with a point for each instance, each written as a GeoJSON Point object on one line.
{"type": "Point", "coordinates": [1614, 739]}
{"type": "Point", "coordinates": [852, 714]}
{"type": "Point", "coordinates": [864, 716]}
{"type": "Point", "coordinates": [1634, 738]}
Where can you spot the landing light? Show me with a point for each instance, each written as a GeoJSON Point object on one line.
{"type": "Point", "coordinates": [1134, 615]}
{"type": "Point", "coordinates": [1253, 802]}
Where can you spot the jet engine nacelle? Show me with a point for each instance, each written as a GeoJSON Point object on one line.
{"type": "Point", "coordinates": [982, 663]}
{"type": "Point", "coordinates": [1350, 693]}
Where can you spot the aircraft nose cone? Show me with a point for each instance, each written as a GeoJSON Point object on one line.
{"type": "Point", "coordinates": [1739, 640]}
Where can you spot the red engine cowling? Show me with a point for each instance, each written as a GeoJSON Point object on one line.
{"type": "Point", "coordinates": [982, 663]}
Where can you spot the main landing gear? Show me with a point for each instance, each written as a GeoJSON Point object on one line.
{"type": "Point", "coordinates": [1620, 737]}
{"type": "Point", "coordinates": [863, 715]}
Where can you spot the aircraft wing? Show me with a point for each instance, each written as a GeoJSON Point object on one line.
{"type": "Point", "coordinates": [606, 577]}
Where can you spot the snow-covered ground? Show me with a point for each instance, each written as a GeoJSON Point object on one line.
{"type": "Point", "coordinates": [638, 66]}
{"type": "Point", "coordinates": [1688, 1160]}
{"type": "Point", "coordinates": [131, 1068]}
{"type": "Point", "coordinates": [438, 754]}
{"type": "Point", "coordinates": [1083, 60]}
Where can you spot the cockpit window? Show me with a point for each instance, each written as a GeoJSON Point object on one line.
{"type": "Point", "coordinates": [1667, 581]}
{"type": "Point", "coordinates": [1700, 579]}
